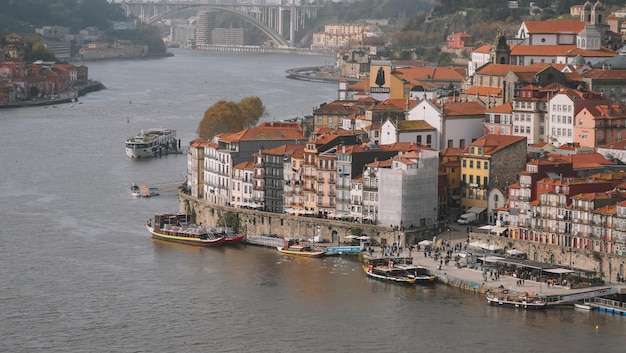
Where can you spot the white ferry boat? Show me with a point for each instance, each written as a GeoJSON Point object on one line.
{"type": "Point", "coordinates": [151, 142]}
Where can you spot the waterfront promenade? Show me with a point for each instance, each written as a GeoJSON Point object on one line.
{"type": "Point", "coordinates": [475, 280]}
{"type": "Point", "coordinates": [78, 90]}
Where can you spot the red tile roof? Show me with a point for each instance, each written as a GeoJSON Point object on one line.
{"type": "Point", "coordinates": [553, 27]}
{"type": "Point", "coordinates": [493, 143]}
{"type": "Point", "coordinates": [267, 131]}
{"type": "Point", "coordinates": [285, 150]}
{"type": "Point", "coordinates": [559, 50]}
{"type": "Point", "coordinates": [245, 165]}
{"type": "Point", "coordinates": [433, 73]}
{"type": "Point", "coordinates": [199, 143]}
{"type": "Point", "coordinates": [463, 109]}
{"type": "Point", "coordinates": [506, 108]}
{"type": "Point", "coordinates": [413, 125]}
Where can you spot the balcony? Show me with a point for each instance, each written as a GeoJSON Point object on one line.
{"type": "Point", "coordinates": [332, 181]}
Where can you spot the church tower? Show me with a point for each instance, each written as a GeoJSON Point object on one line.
{"type": "Point", "coordinates": [594, 14]}
{"type": "Point", "coordinates": [500, 52]}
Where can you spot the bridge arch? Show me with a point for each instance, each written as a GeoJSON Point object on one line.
{"type": "Point", "coordinates": [267, 30]}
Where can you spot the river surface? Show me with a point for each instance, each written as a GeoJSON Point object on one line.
{"type": "Point", "coordinates": [80, 273]}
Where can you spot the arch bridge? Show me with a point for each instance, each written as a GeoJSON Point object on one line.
{"type": "Point", "coordinates": [270, 19]}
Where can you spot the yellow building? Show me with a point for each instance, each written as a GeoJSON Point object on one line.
{"type": "Point", "coordinates": [492, 160]}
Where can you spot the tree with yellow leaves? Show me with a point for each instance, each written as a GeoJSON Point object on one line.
{"type": "Point", "coordinates": [228, 116]}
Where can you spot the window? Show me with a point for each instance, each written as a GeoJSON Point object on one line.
{"type": "Point", "coordinates": [429, 140]}
{"type": "Point", "coordinates": [486, 165]}
{"type": "Point", "coordinates": [485, 180]}
{"type": "Point", "coordinates": [471, 164]}
{"type": "Point", "coordinates": [477, 164]}
{"type": "Point", "coordinates": [419, 138]}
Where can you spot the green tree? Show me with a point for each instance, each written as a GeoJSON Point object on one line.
{"type": "Point", "coordinates": [228, 116]}
{"type": "Point", "coordinates": [38, 51]}
{"type": "Point", "coordinates": [230, 219]}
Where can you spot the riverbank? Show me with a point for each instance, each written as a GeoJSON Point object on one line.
{"type": "Point", "coordinates": [328, 74]}
{"type": "Point", "coordinates": [80, 89]}
{"type": "Point", "coordinates": [261, 50]}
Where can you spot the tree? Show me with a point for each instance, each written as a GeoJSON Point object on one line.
{"type": "Point", "coordinates": [229, 219]}
{"type": "Point", "coordinates": [252, 109]}
{"type": "Point", "coordinates": [228, 116]}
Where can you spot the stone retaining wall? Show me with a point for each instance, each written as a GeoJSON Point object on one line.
{"type": "Point", "coordinates": [296, 227]}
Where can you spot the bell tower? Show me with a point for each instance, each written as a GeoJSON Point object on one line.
{"type": "Point", "coordinates": [500, 52]}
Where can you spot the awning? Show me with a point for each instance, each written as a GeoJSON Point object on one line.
{"type": "Point", "coordinates": [559, 270]}
{"type": "Point", "coordinates": [476, 209]}
{"type": "Point", "coordinates": [498, 230]}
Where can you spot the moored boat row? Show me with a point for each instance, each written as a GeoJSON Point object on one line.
{"type": "Point", "coordinates": [398, 270]}
{"type": "Point", "coordinates": [507, 297]}
{"type": "Point", "coordinates": [176, 227]}
{"type": "Point", "coordinates": [301, 250]}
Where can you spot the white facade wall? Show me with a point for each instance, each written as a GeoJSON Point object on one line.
{"type": "Point", "coordinates": [616, 153]}
{"type": "Point", "coordinates": [409, 197]}
{"type": "Point", "coordinates": [456, 132]}
{"type": "Point", "coordinates": [477, 60]}
{"type": "Point", "coordinates": [388, 133]}
{"type": "Point", "coordinates": [560, 125]}
{"type": "Point", "coordinates": [356, 199]}
{"type": "Point", "coordinates": [210, 174]}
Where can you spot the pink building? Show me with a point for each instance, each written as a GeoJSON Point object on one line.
{"type": "Point", "coordinates": [459, 40]}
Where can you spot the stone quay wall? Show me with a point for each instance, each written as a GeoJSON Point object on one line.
{"type": "Point", "coordinates": [604, 264]}
{"type": "Point", "coordinates": [286, 226]}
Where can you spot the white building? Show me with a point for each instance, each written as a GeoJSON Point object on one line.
{"type": "Point", "coordinates": [562, 109]}
{"type": "Point", "coordinates": [407, 192]}
{"type": "Point", "coordinates": [457, 124]}
{"type": "Point", "coordinates": [418, 131]}
{"type": "Point", "coordinates": [241, 194]}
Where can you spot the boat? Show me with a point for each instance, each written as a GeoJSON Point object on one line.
{"type": "Point", "coordinates": [300, 250]}
{"type": "Point", "coordinates": [152, 191]}
{"type": "Point", "coordinates": [150, 143]}
{"type": "Point", "coordinates": [135, 191]}
{"type": "Point", "coordinates": [420, 273]}
{"type": "Point", "coordinates": [583, 306]}
{"type": "Point", "coordinates": [229, 234]}
{"type": "Point", "coordinates": [175, 227]}
{"type": "Point", "coordinates": [388, 274]}
{"type": "Point", "coordinates": [507, 297]}
{"type": "Point", "coordinates": [143, 190]}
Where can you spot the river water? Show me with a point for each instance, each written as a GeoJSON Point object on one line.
{"type": "Point", "coordinates": [79, 272]}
